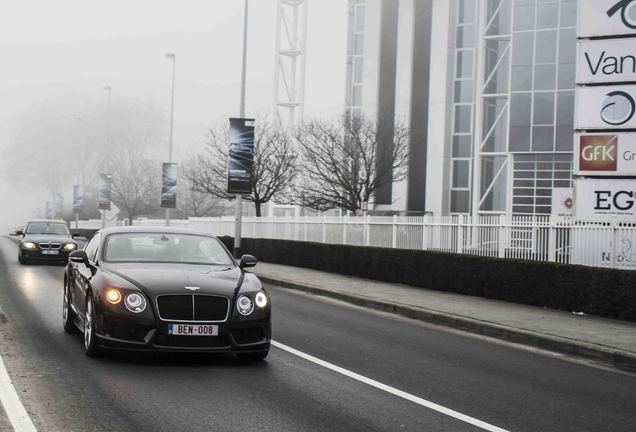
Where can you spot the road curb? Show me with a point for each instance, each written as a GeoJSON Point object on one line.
{"type": "Point", "coordinates": [619, 359]}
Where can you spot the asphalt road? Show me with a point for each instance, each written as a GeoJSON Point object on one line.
{"type": "Point", "coordinates": [505, 386]}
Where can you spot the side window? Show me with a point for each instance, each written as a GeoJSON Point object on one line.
{"type": "Point", "coordinates": [91, 247]}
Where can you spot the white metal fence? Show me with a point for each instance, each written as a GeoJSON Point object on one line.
{"type": "Point", "coordinates": [541, 238]}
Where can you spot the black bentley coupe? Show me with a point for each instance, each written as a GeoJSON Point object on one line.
{"type": "Point", "coordinates": [165, 289]}
{"type": "Point", "coordinates": [45, 240]}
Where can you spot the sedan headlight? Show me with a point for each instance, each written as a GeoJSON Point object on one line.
{"type": "Point", "coordinates": [70, 246]}
{"type": "Point", "coordinates": [135, 302]}
{"type": "Point", "coordinates": [261, 299]}
{"type": "Point", "coordinates": [245, 305]}
{"type": "Point", "coordinates": [29, 245]}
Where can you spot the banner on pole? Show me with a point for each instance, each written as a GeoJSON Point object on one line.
{"type": "Point", "coordinates": [78, 197]}
{"type": "Point", "coordinates": [49, 210]}
{"type": "Point", "coordinates": [103, 191]}
{"type": "Point", "coordinates": [240, 158]}
{"type": "Point", "coordinates": [59, 205]}
{"type": "Point", "coordinates": [169, 185]}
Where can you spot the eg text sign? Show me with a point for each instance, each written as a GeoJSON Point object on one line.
{"type": "Point", "coordinates": [606, 18]}
{"type": "Point", "coordinates": [606, 61]}
{"type": "Point", "coordinates": [606, 107]}
{"type": "Point", "coordinates": [605, 154]}
{"type": "Point", "coordinates": [605, 199]}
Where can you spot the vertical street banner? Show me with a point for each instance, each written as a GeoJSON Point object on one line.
{"type": "Point", "coordinates": [240, 158]}
{"type": "Point", "coordinates": [103, 191]}
{"type": "Point", "coordinates": [78, 197]}
{"type": "Point", "coordinates": [59, 205]}
{"type": "Point", "coordinates": [169, 185]}
{"type": "Point", "coordinates": [49, 210]}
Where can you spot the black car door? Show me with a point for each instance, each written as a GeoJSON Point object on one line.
{"type": "Point", "coordinates": [83, 274]}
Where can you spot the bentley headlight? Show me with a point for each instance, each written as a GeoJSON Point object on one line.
{"type": "Point", "coordinates": [69, 246]}
{"type": "Point", "coordinates": [261, 299]}
{"type": "Point", "coordinates": [113, 296]}
{"type": "Point", "coordinates": [135, 302]}
{"type": "Point", "coordinates": [28, 245]}
{"type": "Point", "coordinates": [245, 305]}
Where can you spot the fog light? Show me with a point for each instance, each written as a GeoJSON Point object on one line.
{"type": "Point", "coordinates": [245, 305]}
{"type": "Point", "coordinates": [135, 302]}
{"type": "Point", "coordinates": [113, 296]}
{"type": "Point", "coordinates": [261, 300]}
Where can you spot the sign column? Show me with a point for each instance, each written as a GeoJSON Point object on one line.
{"type": "Point", "coordinates": [605, 136]}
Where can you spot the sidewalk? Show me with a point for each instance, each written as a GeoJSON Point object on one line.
{"type": "Point", "coordinates": [608, 341]}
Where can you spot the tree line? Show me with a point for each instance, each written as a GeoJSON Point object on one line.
{"type": "Point", "coordinates": [320, 165]}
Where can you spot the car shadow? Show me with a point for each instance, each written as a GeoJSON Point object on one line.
{"type": "Point", "coordinates": [178, 360]}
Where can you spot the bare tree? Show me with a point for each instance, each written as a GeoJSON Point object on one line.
{"type": "Point", "coordinates": [70, 135]}
{"type": "Point", "coordinates": [340, 163]}
{"type": "Point", "coordinates": [193, 202]}
{"type": "Point", "coordinates": [136, 183]}
{"type": "Point", "coordinates": [274, 167]}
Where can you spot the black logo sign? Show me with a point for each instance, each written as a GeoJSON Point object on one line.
{"type": "Point", "coordinates": [628, 12]}
{"type": "Point", "coordinates": [618, 108]}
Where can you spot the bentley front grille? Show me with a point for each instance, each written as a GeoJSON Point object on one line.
{"type": "Point", "coordinates": [193, 307]}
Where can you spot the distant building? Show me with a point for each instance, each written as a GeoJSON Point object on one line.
{"type": "Point", "coordinates": [487, 88]}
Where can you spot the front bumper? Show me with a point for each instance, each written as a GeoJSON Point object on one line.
{"type": "Point", "coordinates": [139, 334]}
{"type": "Point", "coordinates": [41, 255]}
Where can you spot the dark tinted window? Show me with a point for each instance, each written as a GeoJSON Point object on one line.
{"type": "Point", "coordinates": [168, 247]}
{"type": "Point", "coordinates": [91, 247]}
{"type": "Point", "coordinates": [47, 228]}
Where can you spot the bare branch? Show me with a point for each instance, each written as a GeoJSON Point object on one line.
{"type": "Point", "coordinates": [339, 163]}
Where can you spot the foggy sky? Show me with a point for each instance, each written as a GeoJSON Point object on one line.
{"type": "Point", "coordinates": [62, 53]}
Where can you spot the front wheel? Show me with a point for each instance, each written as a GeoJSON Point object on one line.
{"type": "Point", "coordinates": [91, 346]}
{"type": "Point", "coordinates": [68, 316]}
{"type": "Point", "coordinates": [21, 260]}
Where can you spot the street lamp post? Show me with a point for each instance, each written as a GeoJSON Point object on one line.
{"type": "Point", "coordinates": [239, 198]}
{"type": "Point", "coordinates": [108, 89]}
{"type": "Point", "coordinates": [174, 61]}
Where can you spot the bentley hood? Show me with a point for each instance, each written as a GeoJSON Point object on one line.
{"type": "Point", "coordinates": [158, 279]}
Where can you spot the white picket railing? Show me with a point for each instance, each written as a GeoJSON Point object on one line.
{"type": "Point", "coordinates": [541, 238]}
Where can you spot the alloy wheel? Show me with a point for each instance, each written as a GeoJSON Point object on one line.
{"type": "Point", "coordinates": [88, 324]}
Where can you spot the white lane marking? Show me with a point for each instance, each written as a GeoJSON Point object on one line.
{"type": "Point", "coordinates": [373, 383]}
{"type": "Point", "coordinates": [16, 412]}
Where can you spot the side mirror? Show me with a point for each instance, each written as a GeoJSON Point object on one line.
{"type": "Point", "coordinates": [79, 257]}
{"type": "Point", "coordinates": [247, 261]}
{"type": "Point", "coordinates": [19, 232]}
{"type": "Point", "coordinates": [75, 234]}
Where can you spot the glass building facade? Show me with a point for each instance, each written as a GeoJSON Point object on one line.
{"type": "Point", "coordinates": [355, 58]}
{"type": "Point", "coordinates": [512, 104]}
{"type": "Point", "coordinates": [499, 97]}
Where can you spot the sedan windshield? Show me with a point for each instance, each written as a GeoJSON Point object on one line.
{"type": "Point", "coordinates": [47, 228]}
{"type": "Point", "coordinates": [172, 248]}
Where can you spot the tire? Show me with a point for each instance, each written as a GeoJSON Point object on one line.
{"type": "Point", "coordinates": [68, 316]}
{"type": "Point", "coordinates": [91, 346]}
{"type": "Point", "coordinates": [258, 356]}
{"type": "Point", "coordinates": [21, 260]}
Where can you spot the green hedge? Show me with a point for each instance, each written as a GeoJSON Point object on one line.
{"type": "Point", "coordinates": [596, 291]}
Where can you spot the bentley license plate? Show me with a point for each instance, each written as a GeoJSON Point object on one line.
{"type": "Point", "coordinates": [193, 329]}
{"type": "Point", "coordinates": [50, 252]}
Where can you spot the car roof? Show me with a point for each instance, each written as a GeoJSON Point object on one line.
{"type": "Point", "coordinates": [151, 229]}
{"type": "Point", "coordinates": [47, 221]}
